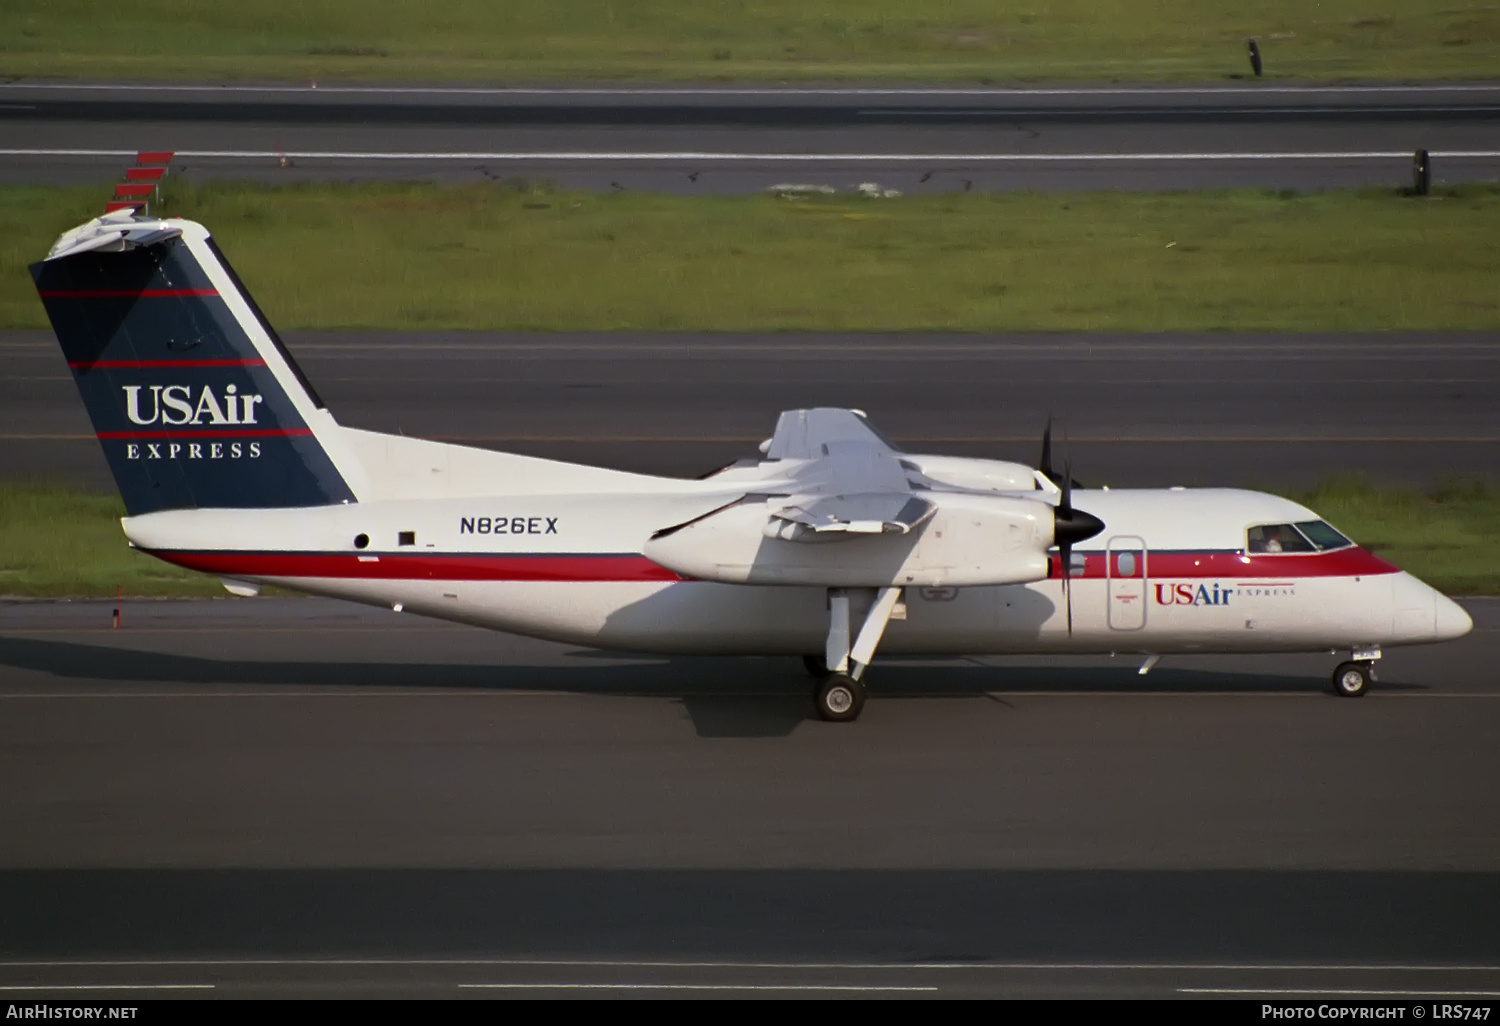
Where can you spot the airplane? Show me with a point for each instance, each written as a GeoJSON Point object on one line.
{"type": "Point", "coordinates": [831, 544]}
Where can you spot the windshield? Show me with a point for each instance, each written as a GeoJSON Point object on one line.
{"type": "Point", "coordinates": [1323, 536]}
{"type": "Point", "coordinates": [1305, 536]}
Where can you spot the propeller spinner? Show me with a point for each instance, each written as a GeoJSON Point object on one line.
{"type": "Point", "coordinates": [1070, 526]}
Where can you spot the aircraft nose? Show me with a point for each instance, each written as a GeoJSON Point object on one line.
{"type": "Point", "coordinates": [1452, 621]}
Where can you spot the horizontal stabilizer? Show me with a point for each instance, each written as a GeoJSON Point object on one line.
{"type": "Point", "coordinates": [113, 233]}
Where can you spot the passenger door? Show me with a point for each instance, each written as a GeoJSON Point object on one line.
{"type": "Point", "coordinates": [1125, 573]}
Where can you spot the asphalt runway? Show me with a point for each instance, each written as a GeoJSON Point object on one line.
{"type": "Point", "coordinates": [734, 140]}
{"type": "Point", "coordinates": [298, 797]}
{"type": "Point", "coordinates": [1276, 411]}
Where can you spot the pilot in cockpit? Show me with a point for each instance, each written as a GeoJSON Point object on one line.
{"type": "Point", "coordinates": [1272, 538]}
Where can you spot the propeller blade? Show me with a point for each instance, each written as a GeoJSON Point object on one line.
{"type": "Point", "coordinates": [1064, 515]}
{"type": "Point", "coordinates": [1045, 464]}
{"type": "Point", "coordinates": [1068, 593]}
{"type": "Point", "coordinates": [1068, 463]}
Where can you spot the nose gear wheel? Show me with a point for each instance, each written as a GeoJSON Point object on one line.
{"type": "Point", "coordinates": [1352, 680]}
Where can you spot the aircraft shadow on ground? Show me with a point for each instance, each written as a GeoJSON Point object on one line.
{"type": "Point", "coordinates": [724, 696]}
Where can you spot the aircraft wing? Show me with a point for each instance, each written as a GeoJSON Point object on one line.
{"type": "Point", "coordinates": [811, 434]}
{"type": "Point", "coordinates": [844, 477]}
{"type": "Point", "coordinates": [829, 476]}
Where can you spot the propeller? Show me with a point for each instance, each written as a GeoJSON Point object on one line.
{"type": "Point", "coordinates": [1070, 525]}
{"type": "Point", "coordinates": [1045, 463]}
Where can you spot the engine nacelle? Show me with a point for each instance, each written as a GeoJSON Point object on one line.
{"type": "Point", "coordinates": [971, 540]}
{"type": "Point", "coordinates": [977, 474]}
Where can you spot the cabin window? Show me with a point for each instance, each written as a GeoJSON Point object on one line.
{"type": "Point", "coordinates": [1323, 536]}
{"type": "Point", "coordinates": [1275, 538]}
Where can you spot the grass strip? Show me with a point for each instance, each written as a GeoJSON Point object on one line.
{"type": "Point", "coordinates": [1448, 535]}
{"type": "Point", "coordinates": [60, 541]}
{"type": "Point", "coordinates": [493, 256]}
{"type": "Point", "coordinates": [973, 41]}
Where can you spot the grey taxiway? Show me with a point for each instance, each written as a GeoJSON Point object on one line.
{"type": "Point", "coordinates": [728, 139]}
{"type": "Point", "coordinates": [298, 797]}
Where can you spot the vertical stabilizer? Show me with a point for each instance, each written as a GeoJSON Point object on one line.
{"type": "Point", "coordinates": [195, 401]}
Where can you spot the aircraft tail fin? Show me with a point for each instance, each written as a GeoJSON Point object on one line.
{"type": "Point", "coordinates": [195, 400]}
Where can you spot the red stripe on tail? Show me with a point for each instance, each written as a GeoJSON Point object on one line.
{"type": "Point", "coordinates": [91, 364]}
{"type": "Point", "coordinates": [125, 293]}
{"type": "Point", "coordinates": [209, 433]}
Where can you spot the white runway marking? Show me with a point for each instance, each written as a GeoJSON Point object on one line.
{"type": "Point", "coordinates": [483, 691]}
{"type": "Point", "coordinates": [667, 964]}
{"type": "Point", "coordinates": [1135, 346]}
{"type": "Point", "coordinates": [932, 440]}
{"type": "Point", "coordinates": [1043, 112]}
{"type": "Point", "coordinates": [109, 986]}
{"type": "Point", "coordinates": [685, 986]}
{"type": "Point", "coordinates": [832, 92]}
{"type": "Point", "coordinates": [1337, 992]}
{"type": "Point", "coordinates": [774, 158]}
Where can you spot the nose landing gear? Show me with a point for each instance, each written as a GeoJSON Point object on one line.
{"type": "Point", "coordinates": [1352, 679]}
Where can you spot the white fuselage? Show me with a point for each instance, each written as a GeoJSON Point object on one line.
{"type": "Point", "coordinates": [1169, 574]}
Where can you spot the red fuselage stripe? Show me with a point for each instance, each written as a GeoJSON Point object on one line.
{"type": "Point", "coordinates": [484, 567]}
{"type": "Point", "coordinates": [389, 566]}
{"type": "Point", "coordinates": [91, 364]}
{"type": "Point", "coordinates": [209, 433]}
{"type": "Point", "coordinates": [125, 293]}
{"type": "Point", "coordinates": [1351, 562]}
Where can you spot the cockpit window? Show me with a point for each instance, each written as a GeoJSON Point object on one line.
{"type": "Point", "coordinates": [1277, 538]}
{"type": "Point", "coordinates": [1323, 536]}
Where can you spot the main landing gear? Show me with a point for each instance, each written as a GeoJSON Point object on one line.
{"type": "Point", "coordinates": [839, 698]}
{"type": "Point", "coordinates": [1352, 679]}
{"type": "Point", "coordinates": [840, 695]}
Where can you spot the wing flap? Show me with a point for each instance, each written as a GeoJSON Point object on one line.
{"type": "Point", "coordinates": [832, 516]}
